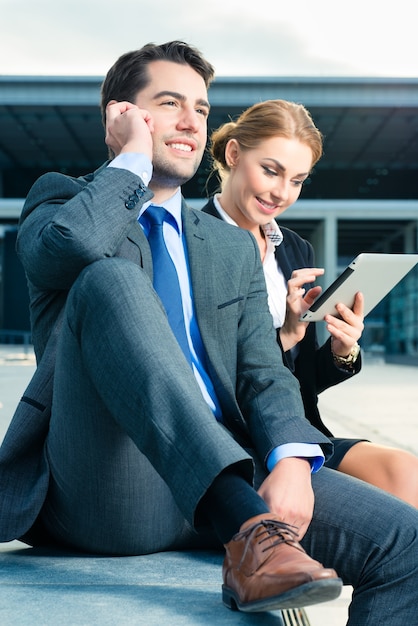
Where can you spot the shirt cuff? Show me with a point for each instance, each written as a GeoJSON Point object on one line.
{"type": "Point", "coordinates": [134, 162]}
{"type": "Point", "coordinates": [312, 452]}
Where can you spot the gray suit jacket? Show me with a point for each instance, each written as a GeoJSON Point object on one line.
{"type": "Point", "coordinates": [68, 223]}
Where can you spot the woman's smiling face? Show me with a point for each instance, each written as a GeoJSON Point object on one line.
{"type": "Point", "coordinates": [265, 181]}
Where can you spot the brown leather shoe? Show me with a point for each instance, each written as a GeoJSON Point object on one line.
{"type": "Point", "coordinates": [266, 569]}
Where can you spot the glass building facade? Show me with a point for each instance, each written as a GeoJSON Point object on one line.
{"type": "Point", "coordinates": [361, 197]}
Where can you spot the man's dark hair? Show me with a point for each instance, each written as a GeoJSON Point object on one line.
{"type": "Point", "coordinates": [129, 74]}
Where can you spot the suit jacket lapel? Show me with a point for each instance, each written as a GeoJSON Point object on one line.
{"type": "Point", "coordinates": [204, 291]}
{"type": "Point", "coordinates": [199, 256]}
{"type": "Point", "coordinates": [137, 237]}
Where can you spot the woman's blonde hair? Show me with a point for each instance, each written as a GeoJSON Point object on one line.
{"type": "Point", "coordinates": [264, 120]}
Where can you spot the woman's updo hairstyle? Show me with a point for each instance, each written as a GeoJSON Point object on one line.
{"type": "Point", "coordinates": [264, 120]}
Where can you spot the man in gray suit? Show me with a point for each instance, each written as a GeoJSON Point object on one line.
{"type": "Point", "coordinates": [125, 443]}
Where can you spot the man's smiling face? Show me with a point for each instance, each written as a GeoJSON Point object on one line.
{"type": "Point", "coordinates": [176, 98]}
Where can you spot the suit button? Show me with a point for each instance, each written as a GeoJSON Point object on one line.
{"type": "Point", "coordinates": [140, 192]}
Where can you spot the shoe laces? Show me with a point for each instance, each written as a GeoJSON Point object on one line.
{"type": "Point", "coordinates": [273, 531]}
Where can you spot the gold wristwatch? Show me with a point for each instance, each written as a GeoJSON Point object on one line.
{"type": "Point", "coordinates": [347, 361]}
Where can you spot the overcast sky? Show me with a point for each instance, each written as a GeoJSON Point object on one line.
{"type": "Point", "coordinates": [239, 37]}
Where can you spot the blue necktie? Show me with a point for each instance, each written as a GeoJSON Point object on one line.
{"type": "Point", "coordinates": [166, 282]}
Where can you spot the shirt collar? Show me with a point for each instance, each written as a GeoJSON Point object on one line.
{"type": "Point", "coordinates": [172, 206]}
{"type": "Point", "coordinates": [271, 230]}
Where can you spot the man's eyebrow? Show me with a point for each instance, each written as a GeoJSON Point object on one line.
{"type": "Point", "coordinates": [181, 97]}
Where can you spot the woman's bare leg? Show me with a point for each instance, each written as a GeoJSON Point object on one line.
{"type": "Point", "coordinates": [391, 469]}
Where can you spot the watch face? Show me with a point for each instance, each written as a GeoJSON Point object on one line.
{"type": "Point", "coordinates": [351, 358]}
{"type": "Point", "coordinates": [354, 353]}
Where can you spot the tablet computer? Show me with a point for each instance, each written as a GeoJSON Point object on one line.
{"type": "Point", "coordinates": [373, 274]}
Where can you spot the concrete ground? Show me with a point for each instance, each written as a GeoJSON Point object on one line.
{"type": "Point", "coordinates": [43, 589]}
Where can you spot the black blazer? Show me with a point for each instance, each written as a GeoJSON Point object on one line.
{"type": "Point", "coordinates": [314, 366]}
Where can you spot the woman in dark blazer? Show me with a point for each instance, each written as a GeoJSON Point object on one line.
{"type": "Point", "coordinates": [262, 160]}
